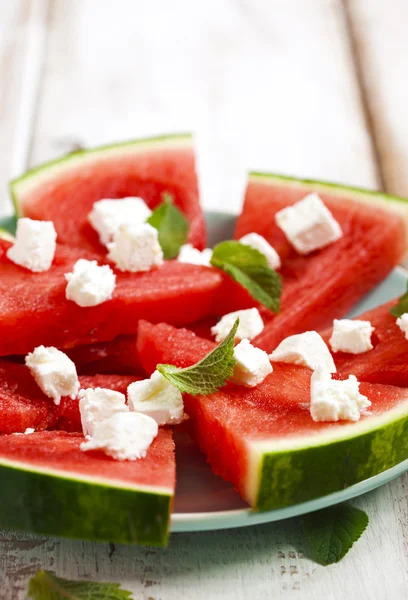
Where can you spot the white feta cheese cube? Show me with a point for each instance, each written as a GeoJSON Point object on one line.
{"type": "Point", "coordinates": [96, 405]}
{"type": "Point", "coordinates": [334, 400]}
{"type": "Point", "coordinates": [308, 224]}
{"type": "Point", "coordinates": [252, 364]}
{"type": "Point", "coordinates": [250, 325]}
{"type": "Point", "coordinates": [157, 398]}
{"type": "Point", "coordinates": [256, 241]}
{"type": "Point", "coordinates": [29, 431]}
{"type": "Point", "coordinates": [136, 248]}
{"type": "Point", "coordinates": [402, 323]}
{"type": "Point", "coordinates": [351, 336]}
{"type": "Point", "coordinates": [108, 215]}
{"type": "Point", "coordinates": [306, 349]}
{"type": "Point", "coordinates": [123, 436]}
{"type": "Point", "coordinates": [54, 372]}
{"type": "Point", "coordinates": [189, 254]}
{"type": "Point", "coordinates": [90, 284]}
{"type": "Point", "coordinates": [34, 245]}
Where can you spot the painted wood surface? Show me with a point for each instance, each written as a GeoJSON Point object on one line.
{"type": "Point", "coordinates": [311, 89]}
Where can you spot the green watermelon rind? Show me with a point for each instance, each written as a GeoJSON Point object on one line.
{"type": "Point", "coordinates": [51, 169]}
{"type": "Point", "coordinates": [387, 201]}
{"type": "Point", "coordinates": [305, 471]}
{"type": "Point", "coordinates": [51, 502]}
{"type": "Point", "coordinates": [6, 235]}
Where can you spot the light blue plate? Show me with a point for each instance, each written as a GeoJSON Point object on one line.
{"type": "Point", "coordinates": [205, 501]}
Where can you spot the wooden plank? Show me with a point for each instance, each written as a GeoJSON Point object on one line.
{"type": "Point", "coordinates": [379, 30]}
{"type": "Point", "coordinates": [255, 96]}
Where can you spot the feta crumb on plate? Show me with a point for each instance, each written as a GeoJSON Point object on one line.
{"type": "Point", "coordinates": [250, 325]}
{"type": "Point", "coordinates": [108, 215]}
{"type": "Point", "coordinates": [334, 400]}
{"type": "Point", "coordinates": [90, 284]}
{"type": "Point", "coordinates": [351, 336]}
{"type": "Point", "coordinates": [258, 242]}
{"type": "Point", "coordinates": [308, 224]}
{"type": "Point", "coordinates": [189, 254]}
{"type": "Point", "coordinates": [34, 245]}
{"type": "Point", "coordinates": [402, 323]}
{"type": "Point", "coordinates": [252, 364]}
{"type": "Point", "coordinates": [98, 404]}
{"type": "Point", "coordinates": [306, 349]}
{"type": "Point", "coordinates": [123, 436]}
{"type": "Point", "coordinates": [157, 398]}
{"type": "Point", "coordinates": [136, 248]}
{"type": "Point", "coordinates": [54, 372]}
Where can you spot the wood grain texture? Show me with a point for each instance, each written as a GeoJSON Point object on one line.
{"type": "Point", "coordinates": [265, 85]}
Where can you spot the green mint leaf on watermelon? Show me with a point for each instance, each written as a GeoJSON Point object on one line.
{"type": "Point", "coordinates": [208, 375]}
{"type": "Point", "coordinates": [250, 269]}
{"type": "Point", "coordinates": [172, 226]}
{"type": "Point", "coordinates": [402, 306]}
{"type": "Point", "coordinates": [332, 532]}
{"type": "Point", "coordinates": [47, 586]}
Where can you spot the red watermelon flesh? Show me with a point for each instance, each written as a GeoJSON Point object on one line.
{"type": "Point", "coordinates": [69, 418]}
{"type": "Point", "coordinates": [116, 356]}
{"type": "Point", "coordinates": [387, 362]}
{"type": "Point", "coordinates": [234, 419]}
{"type": "Point", "coordinates": [34, 310]}
{"type": "Point", "coordinates": [327, 283]}
{"type": "Point", "coordinates": [65, 190]}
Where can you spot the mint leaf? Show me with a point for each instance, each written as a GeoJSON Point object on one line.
{"type": "Point", "coordinates": [250, 269]}
{"type": "Point", "coordinates": [172, 226]}
{"type": "Point", "coordinates": [402, 306]}
{"type": "Point", "coordinates": [47, 586]}
{"type": "Point", "coordinates": [208, 375]}
{"type": "Point", "coordinates": [332, 532]}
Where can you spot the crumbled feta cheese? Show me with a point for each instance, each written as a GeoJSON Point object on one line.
{"type": "Point", "coordinates": [157, 398]}
{"type": "Point", "coordinates": [136, 248]}
{"type": "Point", "coordinates": [250, 325]}
{"type": "Point", "coordinates": [351, 336]}
{"type": "Point", "coordinates": [189, 254]}
{"type": "Point", "coordinates": [256, 241]}
{"type": "Point", "coordinates": [96, 405]}
{"type": "Point", "coordinates": [54, 372]}
{"type": "Point", "coordinates": [108, 215]}
{"type": "Point", "coordinates": [402, 323]}
{"type": "Point", "coordinates": [34, 245]}
{"type": "Point", "coordinates": [90, 284]}
{"type": "Point", "coordinates": [252, 364]}
{"type": "Point", "coordinates": [29, 431]}
{"type": "Point", "coordinates": [307, 349]}
{"type": "Point", "coordinates": [308, 224]}
{"type": "Point", "coordinates": [334, 400]}
{"type": "Point", "coordinates": [123, 436]}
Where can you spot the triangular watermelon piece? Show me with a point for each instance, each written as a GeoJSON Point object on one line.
{"type": "Point", "coordinates": [116, 356]}
{"type": "Point", "coordinates": [264, 439]}
{"type": "Point", "coordinates": [51, 487]}
{"type": "Point", "coordinates": [23, 405]}
{"type": "Point", "coordinates": [64, 190]}
{"type": "Point", "coordinates": [327, 283]}
{"type": "Point", "coordinates": [34, 310]}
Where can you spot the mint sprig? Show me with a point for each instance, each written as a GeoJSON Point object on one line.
{"type": "Point", "coordinates": [250, 269]}
{"type": "Point", "coordinates": [172, 226]}
{"type": "Point", "coordinates": [402, 306]}
{"type": "Point", "coordinates": [209, 374]}
{"type": "Point", "coordinates": [332, 532]}
{"type": "Point", "coordinates": [47, 586]}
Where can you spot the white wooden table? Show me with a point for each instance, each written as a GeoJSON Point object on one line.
{"type": "Point", "coordinates": [312, 88]}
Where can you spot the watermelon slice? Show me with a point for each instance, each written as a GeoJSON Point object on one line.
{"type": "Point", "coordinates": [327, 283]}
{"type": "Point", "coordinates": [51, 487]}
{"type": "Point", "coordinates": [264, 439]}
{"type": "Point", "coordinates": [387, 362]}
{"type": "Point", "coordinates": [22, 403]}
{"type": "Point", "coordinates": [64, 190]}
{"type": "Point", "coordinates": [34, 310]}
{"type": "Point", "coordinates": [117, 356]}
